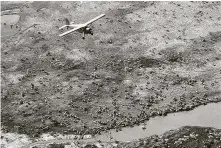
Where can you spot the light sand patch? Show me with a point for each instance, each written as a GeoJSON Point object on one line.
{"type": "Point", "coordinates": [7, 30]}
{"type": "Point", "coordinates": [12, 140]}
{"type": "Point", "coordinates": [14, 77]}
{"type": "Point", "coordinates": [217, 46]}
{"type": "Point", "coordinates": [10, 19]}
{"type": "Point", "coordinates": [77, 54]}
{"type": "Point", "coordinates": [8, 26]}
{"type": "Point", "coordinates": [202, 31]}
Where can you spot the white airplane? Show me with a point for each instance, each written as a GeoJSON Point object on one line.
{"type": "Point", "coordinates": [82, 28]}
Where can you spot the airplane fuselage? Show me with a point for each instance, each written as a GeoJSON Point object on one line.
{"type": "Point", "coordinates": [85, 30]}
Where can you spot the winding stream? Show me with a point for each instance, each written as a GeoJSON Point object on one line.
{"type": "Point", "coordinates": [207, 116]}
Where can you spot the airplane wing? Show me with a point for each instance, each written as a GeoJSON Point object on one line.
{"type": "Point", "coordinates": [94, 19]}
{"type": "Point", "coordinates": [75, 25]}
{"type": "Point", "coordinates": [72, 25]}
{"type": "Point", "coordinates": [71, 31]}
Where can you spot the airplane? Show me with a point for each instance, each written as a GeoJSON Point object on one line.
{"type": "Point", "coordinates": [82, 28]}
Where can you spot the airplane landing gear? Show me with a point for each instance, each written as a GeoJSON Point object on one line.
{"type": "Point", "coordinates": [83, 36]}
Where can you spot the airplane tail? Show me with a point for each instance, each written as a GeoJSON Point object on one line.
{"type": "Point", "coordinates": [67, 21]}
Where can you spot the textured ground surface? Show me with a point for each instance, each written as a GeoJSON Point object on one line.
{"type": "Point", "coordinates": [185, 137]}
{"type": "Point", "coordinates": [144, 59]}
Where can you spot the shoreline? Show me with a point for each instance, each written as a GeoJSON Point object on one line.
{"type": "Point", "coordinates": [174, 138]}
{"type": "Point", "coordinates": [61, 138]}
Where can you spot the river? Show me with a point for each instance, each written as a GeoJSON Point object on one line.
{"type": "Point", "coordinates": [206, 116]}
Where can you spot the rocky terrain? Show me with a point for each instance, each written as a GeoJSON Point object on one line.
{"type": "Point", "coordinates": [145, 59]}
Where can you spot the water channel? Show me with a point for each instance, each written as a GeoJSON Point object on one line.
{"type": "Point", "coordinates": [206, 116]}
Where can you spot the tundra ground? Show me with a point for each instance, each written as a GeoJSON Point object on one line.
{"type": "Point", "coordinates": [145, 59]}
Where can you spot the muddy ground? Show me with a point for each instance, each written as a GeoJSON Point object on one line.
{"type": "Point", "coordinates": [144, 59]}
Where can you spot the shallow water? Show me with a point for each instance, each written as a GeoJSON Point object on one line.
{"type": "Point", "coordinates": [7, 29]}
{"type": "Point", "coordinates": [207, 116]}
{"type": "Point", "coordinates": [10, 19]}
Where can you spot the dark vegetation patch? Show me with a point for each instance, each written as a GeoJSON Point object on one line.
{"type": "Point", "coordinates": [56, 146]}
{"type": "Point", "coordinates": [204, 45]}
{"type": "Point", "coordinates": [201, 140]}
{"type": "Point", "coordinates": [148, 62]}
{"type": "Point", "coordinates": [172, 55]}
{"type": "Point", "coordinates": [118, 63]}
{"type": "Point", "coordinates": [90, 146]}
{"type": "Point", "coordinates": [70, 65]}
{"type": "Point", "coordinates": [45, 48]}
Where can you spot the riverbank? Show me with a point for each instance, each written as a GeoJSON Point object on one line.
{"type": "Point", "coordinates": [188, 136]}
{"type": "Point", "coordinates": [204, 116]}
